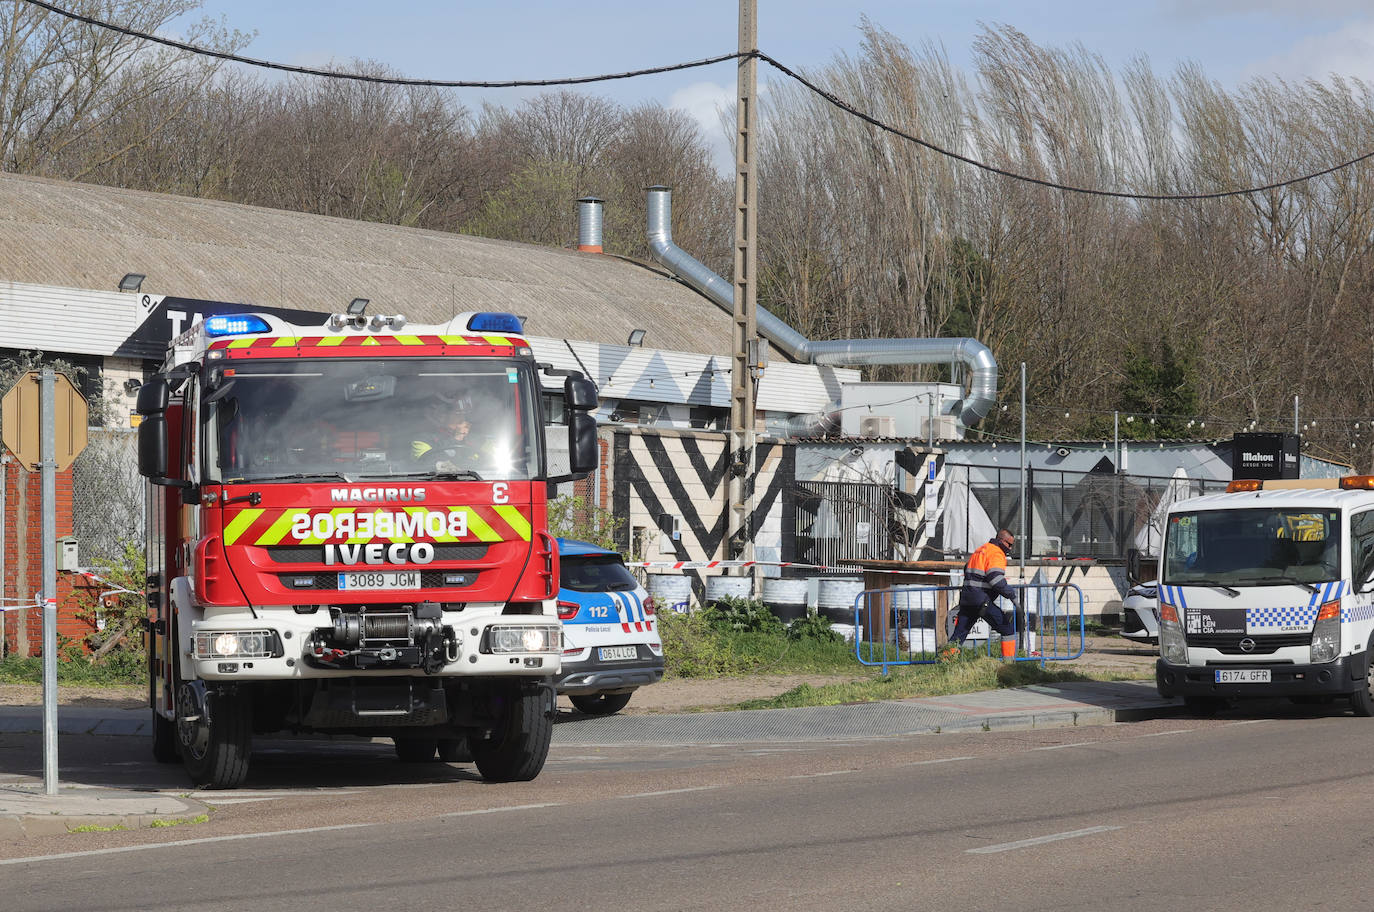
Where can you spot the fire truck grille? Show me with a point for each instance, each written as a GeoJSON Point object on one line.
{"type": "Point", "coordinates": [322, 582]}
{"type": "Point", "coordinates": [1229, 643]}
{"type": "Point", "coordinates": [312, 554]}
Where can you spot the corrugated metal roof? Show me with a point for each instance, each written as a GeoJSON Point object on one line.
{"type": "Point", "coordinates": [83, 236]}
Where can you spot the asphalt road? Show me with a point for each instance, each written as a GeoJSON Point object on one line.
{"type": "Point", "coordinates": [1242, 812]}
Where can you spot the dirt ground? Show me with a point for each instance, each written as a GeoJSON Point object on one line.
{"type": "Point", "coordinates": [1106, 653]}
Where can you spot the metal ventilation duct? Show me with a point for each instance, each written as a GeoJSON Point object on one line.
{"type": "Point", "coordinates": [591, 219]}
{"type": "Point", "coordinates": [982, 394]}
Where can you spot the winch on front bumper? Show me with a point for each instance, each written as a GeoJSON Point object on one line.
{"type": "Point", "coordinates": [394, 637]}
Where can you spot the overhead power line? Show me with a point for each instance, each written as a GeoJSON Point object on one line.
{"type": "Point", "coordinates": [868, 118]}
{"type": "Point", "coordinates": [606, 77]}
{"type": "Point", "coordinates": [364, 77]}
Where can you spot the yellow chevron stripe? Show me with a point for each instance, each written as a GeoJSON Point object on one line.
{"type": "Point", "coordinates": [517, 521]}
{"type": "Point", "coordinates": [371, 340]}
{"type": "Point", "coordinates": [278, 530]}
{"type": "Point", "coordinates": [497, 340]}
{"type": "Point", "coordinates": [241, 343]}
{"type": "Point", "coordinates": [410, 340]}
{"type": "Point", "coordinates": [239, 524]}
{"type": "Point", "coordinates": [331, 340]}
{"type": "Point", "coordinates": [286, 342]}
{"type": "Point", "coordinates": [478, 526]}
{"type": "Point", "coordinates": [453, 340]}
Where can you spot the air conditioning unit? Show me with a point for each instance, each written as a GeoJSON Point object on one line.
{"type": "Point", "coordinates": [945, 427]}
{"type": "Point", "coordinates": [877, 426]}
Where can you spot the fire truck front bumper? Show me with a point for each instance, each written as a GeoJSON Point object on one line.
{"type": "Point", "coordinates": [277, 646]}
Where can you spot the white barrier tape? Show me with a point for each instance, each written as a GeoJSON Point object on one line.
{"type": "Point", "coordinates": [726, 564]}
{"type": "Point", "coordinates": [117, 590]}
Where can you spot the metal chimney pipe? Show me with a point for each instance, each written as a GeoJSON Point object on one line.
{"type": "Point", "coordinates": [590, 223]}
{"type": "Point", "coordinates": [982, 366]}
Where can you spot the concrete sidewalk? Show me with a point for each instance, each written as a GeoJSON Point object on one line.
{"type": "Point", "coordinates": [26, 811]}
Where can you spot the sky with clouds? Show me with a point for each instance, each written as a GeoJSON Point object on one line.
{"type": "Point", "coordinates": [1232, 40]}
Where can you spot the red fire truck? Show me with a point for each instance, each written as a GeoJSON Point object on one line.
{"type": "Point", "coordinates": [348, 533]}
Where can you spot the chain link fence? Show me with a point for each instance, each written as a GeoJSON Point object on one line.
{"type": "Point", "coordinates": [107, 496]}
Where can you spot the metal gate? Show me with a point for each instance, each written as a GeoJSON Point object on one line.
{"type": "Point", "coordinates": [838, 521]}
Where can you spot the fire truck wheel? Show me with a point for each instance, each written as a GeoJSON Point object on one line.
{"type": "Point", "coordinates": [519, 741]}
{"type": "Point", "coordinates": [454, 750]}
{"type": "Point", "coordinates": [215, 730]}
{"type": "Point", "coordinates": [415, 750]}
{"type": "Point", "coordinates": [600, 704]}
{"type": "Point", "coordinates": [1362, 700]}
{"type": "Point", "coordinates": [164, 739]}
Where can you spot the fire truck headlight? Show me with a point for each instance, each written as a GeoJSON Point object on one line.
{"type": "Point", "coordinates": [524, 638]}
{"type": "Point", "coordinates": [237, 644]}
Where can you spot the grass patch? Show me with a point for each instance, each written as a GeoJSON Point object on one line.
{"type": "Point", "coordinates": [743, 637]}
{"type": "Point", "coordinates": [71, 670]}
{"type": "Point", "coordinates": [180, 821]}
{"type": "Point", "coordinates": [969, 674]}
{"type": "Point", "coordinates": [96, 828]}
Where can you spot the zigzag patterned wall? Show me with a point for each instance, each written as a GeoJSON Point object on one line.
{"type": "Point", "coordinates": [665, 473]}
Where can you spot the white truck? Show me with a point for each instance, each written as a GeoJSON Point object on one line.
{"type": "Point", "coordinates": [1268, 591]}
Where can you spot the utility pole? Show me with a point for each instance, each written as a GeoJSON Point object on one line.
{"type": "Point", "coordinates": [739, 489]}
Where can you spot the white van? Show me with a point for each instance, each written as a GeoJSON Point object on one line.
{"type": "Point", "coordinates": [1268, 591]}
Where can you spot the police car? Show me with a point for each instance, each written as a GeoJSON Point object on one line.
{"type": "Point", "coordinates": [1140, 613]}
{"type": "Point", "coordinates": [611, 643]}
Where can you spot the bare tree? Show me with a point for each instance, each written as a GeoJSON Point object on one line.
{"type": "Point", "coordinates": [62, 80]}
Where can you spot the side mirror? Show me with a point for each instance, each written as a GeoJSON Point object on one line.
{"type": "Point", "coordinates": [153, 397]}
{"type": "Point", "coordinates": [579, 394]}
{"type": "Point", "coordinates": [152, 442]}
{"type": "Point", "coordinates": [583, 453]}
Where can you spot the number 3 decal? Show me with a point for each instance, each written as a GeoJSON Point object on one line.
{"type": "Point", "coordinates": [499, 493]}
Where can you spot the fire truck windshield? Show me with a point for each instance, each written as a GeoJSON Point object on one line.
{"type": "Point", "coordinates": [356, 419]}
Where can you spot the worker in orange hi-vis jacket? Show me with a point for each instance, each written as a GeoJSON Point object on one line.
{"type": "Point", "coordinates": [985, 578]}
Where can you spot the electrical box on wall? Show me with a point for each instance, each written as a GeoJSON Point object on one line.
{"type": "Point", "coordinates": [669, 533]}
{"type": "Point", "coordinates": [66, 554]}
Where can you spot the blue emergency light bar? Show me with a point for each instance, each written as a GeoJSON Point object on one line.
{"type": "Point", "coordinates": [237, 325]}
{"type": "Point", "coordinates": [495, 322]}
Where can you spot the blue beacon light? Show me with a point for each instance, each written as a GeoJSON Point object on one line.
{"type": "Point", "coordinates": [238, 325]}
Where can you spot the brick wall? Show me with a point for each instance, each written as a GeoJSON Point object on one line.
{"type": "Point", "coordinates": [22, 577]}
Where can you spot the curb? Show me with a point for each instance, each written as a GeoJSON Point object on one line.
{"type": "Point", "coordinates": [1061, 718]}
{"type": "Point", "coordinates": [104, 809]}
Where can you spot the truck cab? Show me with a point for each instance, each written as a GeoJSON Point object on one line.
{"type": "Point", "coordinates": [1268, 591]}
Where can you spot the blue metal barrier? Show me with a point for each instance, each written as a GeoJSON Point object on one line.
{"type": "Point", "coordinates": [897, 626]}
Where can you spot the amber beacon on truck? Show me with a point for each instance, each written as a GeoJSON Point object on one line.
{"type": "Point", "coordinates": [348, 533]}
